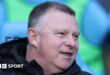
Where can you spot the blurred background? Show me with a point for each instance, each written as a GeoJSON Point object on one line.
{"type": "Point", "coordinates": [93, 17]}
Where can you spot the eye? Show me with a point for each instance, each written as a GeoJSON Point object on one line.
{"type": "Point", "coordinates": [75, 36]}
{"type": "Point", "coordinates": [62, 33]}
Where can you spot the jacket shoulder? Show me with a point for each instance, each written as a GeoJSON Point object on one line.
{"type": "Point", "coordinates": [84, 73]}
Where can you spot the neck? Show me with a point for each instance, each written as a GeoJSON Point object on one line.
{"type": "Point", "coordinates": [32, 54]}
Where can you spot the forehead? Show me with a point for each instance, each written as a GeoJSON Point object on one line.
{"type": "Point", "coordinates": [55, 19]}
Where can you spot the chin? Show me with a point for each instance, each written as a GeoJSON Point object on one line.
{"type": "Point", "coordinates": [64, 66]}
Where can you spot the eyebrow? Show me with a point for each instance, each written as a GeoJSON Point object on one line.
{"type": "Point", "coordinates": [64, 30]}
{"type": "Point", "coordinates": [76, 33]}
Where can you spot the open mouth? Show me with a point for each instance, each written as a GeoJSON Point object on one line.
{"type": "Point", "coordinates": [68, 54]}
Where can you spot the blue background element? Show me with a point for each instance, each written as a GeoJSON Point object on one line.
{"type": "Point", "coordinates": [11, 30]}
{"type": "Point", "coordinates": [94, 26]}
{"type": "Point", "coordinates": [2, 13]}
{"type": "Point", "coordinates": [40, 1]}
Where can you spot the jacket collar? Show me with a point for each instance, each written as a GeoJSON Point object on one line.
{"type": "Point", "coordinates": [72, 70]}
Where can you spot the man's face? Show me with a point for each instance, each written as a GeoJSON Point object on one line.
{"type": "Point", "coordinates": [58, 40]}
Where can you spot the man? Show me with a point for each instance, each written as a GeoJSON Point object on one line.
{"type": "Point", "coordinates": [52, 43]}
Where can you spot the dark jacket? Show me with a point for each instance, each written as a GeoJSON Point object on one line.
{"type": "Point", "coordinates": [14, 52]}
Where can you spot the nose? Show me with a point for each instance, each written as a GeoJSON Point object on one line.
{"type": "Point", "coordinates": [70, 42]}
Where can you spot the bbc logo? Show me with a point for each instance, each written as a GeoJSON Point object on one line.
{"type": "Point", "coordinates": [3, 66]}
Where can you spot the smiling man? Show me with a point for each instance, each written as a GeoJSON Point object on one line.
{"type": "Point", "coordinates": [52, 43]}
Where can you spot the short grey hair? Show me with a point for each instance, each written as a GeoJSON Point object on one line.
{"type": "Point", "coordinates": [41, 9]}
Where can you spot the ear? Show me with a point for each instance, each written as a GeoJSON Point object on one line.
{"type": "Point", "coordinates": [33, 36]}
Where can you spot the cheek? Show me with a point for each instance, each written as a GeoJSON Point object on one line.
{"type": "Point", "coordinates": [76, 48]}
{"type": "Point", "coordinates": [55, 45]}
{"type": "Point", "coordinates": [50, 48]}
